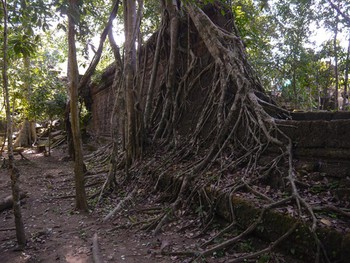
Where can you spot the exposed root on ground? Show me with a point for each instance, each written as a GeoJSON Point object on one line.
{"type": "Point", "coordinates": [233, 128]}
{"type": "Point", "coordinates": [96, 254]}
{"type": "Point", "coordinates": [265, 250]}
{"type": "Point", "coordinates": [121, 204]}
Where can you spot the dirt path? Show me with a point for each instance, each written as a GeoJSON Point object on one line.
{"type": "Point", "coordinates": [57, 233]}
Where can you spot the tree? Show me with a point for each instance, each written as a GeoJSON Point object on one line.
{"type": "Point", "coordinates": [335, 46]}
{"type": "Point", "coordinates": [346, 77]}
{"type": "Point", "coordinates": [14, 174]}
{"type": "Point", "coordinates": [340, 12]}
{"type": "Point", "coordinates": [149, 96]}
{"type": "Point", "coordinates": [25, 18]}
{"type": "Point", "coordinates": [256, 25]}
{"type": "Point", "coordinates": [133, 138]}
{"type": "Point", "coordinates": [73, 78]}
{"type": "Point", "coordinates": [75, 86]}
{"type": "Point", "coordinates": [215, 114]}
{"type": "Point", "coordinates": [293, 20]}
{"type": "Point", "coordinates": [232, 99]}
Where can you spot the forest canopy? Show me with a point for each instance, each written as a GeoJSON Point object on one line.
{"type": "Point", "coordinates": [294, 64]}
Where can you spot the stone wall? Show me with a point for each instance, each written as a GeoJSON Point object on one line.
{"type": "Point", "coordinates": [319, 134]}
{"type": "Point", "coordinates": [315, 134]}
{"type": "Point", "coordinates": [102, 97]}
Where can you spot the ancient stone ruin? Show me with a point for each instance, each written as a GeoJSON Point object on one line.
{"type": "Point", "coordinates": [321, 144]}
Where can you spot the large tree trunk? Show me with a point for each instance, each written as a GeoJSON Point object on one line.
{"type": "Point", "coordinates": [235, 77]}
{"type": "Point", "coordinates": [27, 134]}
{"type": "Point", "coordinates": [73, 78]}
{"type": "Point", "coordinates": [166, 125]}
{"type": "Point", "coordinates": [14, 174]}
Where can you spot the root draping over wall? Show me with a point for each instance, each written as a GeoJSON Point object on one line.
{"type": "Point", "coordinates": [206, 113]}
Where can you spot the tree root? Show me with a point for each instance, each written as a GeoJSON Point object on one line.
{"type": "Point", "coordinates": [332, 208]}
{"type": "Point", "coordinates": [257, 193]}
{"type": "Point", "coordinates": [189, 225]}
{"type": "Point", "coordinates": [152, 223]}
{"type": "Point", "coordinates": [225, 230]}
{"type": "Point", "coordinates": [96, 255]}
{"type": "Point", "coordinates": [247, 231]}
{"type": "Point", "coordinates": [174, 206]}
{"type": "Point", "coordinates": [7, 202]}
{"type": "Point", "coordinates": [266, 250]}
{"type": "Point", "coordinates": [121, 205]}
{"type": "Point", "coordinates": [150, 210]}
{"type": "Point", "coordinates": [233, 128]}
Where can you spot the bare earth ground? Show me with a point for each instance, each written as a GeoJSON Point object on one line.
{"type": "Point", "coordinates": [57, 233]}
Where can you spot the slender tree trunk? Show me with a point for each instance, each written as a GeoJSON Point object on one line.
{"type": "Point", "coordinates": [139, 79]}
{"type": "Point", "coordinates": [132, 133]}
{"type": "Point", "coordinates": [346, 79]}
{"type": "Point", "coordinates": [318, 90]}
{"type": "Point", "coordinates": [325, 90]}
{"type": "Point", "coordinates": [50, 136]}
{"type": "Point", "coordinates": [14, 174]}
{"type": "Point", "coordinates": [294, 84]}
{"type": "Point", "coordinates": [139, 42]}
{"type": "Point", "coordinates": [68, 127]}
{"type": "Point", "coordinates": [92, 67]}
{"type": "Point", "coordinates": [336, 63]}
{"type": "Point", "coordinates": [118, 118]}
{"type": "Point", "coordinates": [115, 49]}
{"type": "Point", "coordinates": [174, 29]}
{"type": "Point", "coordinates": [73, 77]}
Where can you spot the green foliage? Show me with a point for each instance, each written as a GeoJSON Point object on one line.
{"type": "Point", "coordinates": [277, 38]}
{"type": "Point", "coordinates": [276, 35]}
{"type": "Point", "coordinates": [85, 116]}
{"type": "Point", "coordinates": [89, 17]}
{"type": "Point", "coordinates": [257, 29]}
{"type": "Point", "coordinates": [152, 15]}
{"type": "Point", "coordinates": [29, 15]}
{"type": "Point", "coordinates": [22, 45]}
{"type": "Point", "coordinates": [47, 102]}
{"type": "Point", "coordinates": [37, 91]}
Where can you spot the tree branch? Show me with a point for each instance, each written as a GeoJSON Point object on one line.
{"type": "Point", "coordinates": [91, 69]}
{"type": "Point", "coordinates": [346, 17]}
